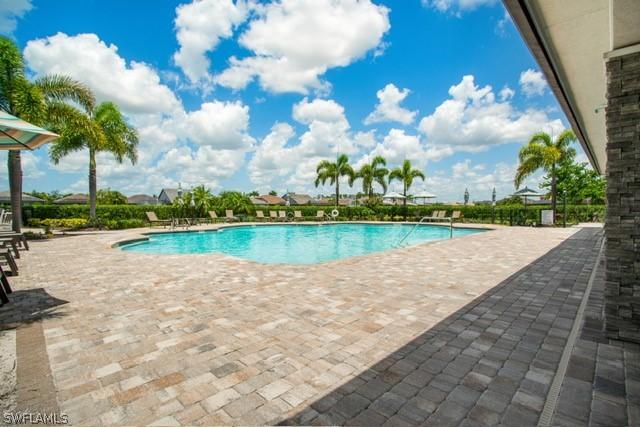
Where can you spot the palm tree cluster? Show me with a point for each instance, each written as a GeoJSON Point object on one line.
{"type": "Point", "coordinates": [67, 107]}
{"type": "Point", "coordinates": [373, 172]}
{"type": "Point", "coordinates": [542, 152]}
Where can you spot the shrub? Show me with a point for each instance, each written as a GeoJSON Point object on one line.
{"type": "Point", "coordinates": [505, 214]}
{"type": "Point", "coordinates": [121, 224]}
{"type": "Point", "coordinates": [64, 224]}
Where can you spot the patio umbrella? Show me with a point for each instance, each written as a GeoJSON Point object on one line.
{"type": "Point", "coordinates": [424, 195]}
{"type": "Point", "coordinates": [526, 192]}
{"type": "Point", "coordinates": [393, 196]}
{"type": "Point", "coordinates": [16, 134]}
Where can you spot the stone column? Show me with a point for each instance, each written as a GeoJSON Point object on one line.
{"type": "Point", "coordinates": [622, 225]}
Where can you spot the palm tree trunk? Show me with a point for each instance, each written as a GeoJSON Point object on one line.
{"type": "Point", "coordinates": [337, 190]}
{"type": "Point", "coordinates": [554, 184]}
{"type": "Point", "coordinates": [404, 193]}
{"type": "Point", "coordinates": [404, 202]}
{"type": "Point", "coordinates": [92, 184]}
{"type": "Point", "coordinates": [15, 187]}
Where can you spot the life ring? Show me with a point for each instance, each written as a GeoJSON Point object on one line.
{"type": "Point", "coordinates": [335, 213]}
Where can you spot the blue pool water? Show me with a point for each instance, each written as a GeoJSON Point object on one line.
{"type": "Point", "coordinates": [294, 244]}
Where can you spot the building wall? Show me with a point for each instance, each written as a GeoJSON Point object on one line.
{"type": "Point", "coordinates": [622, 226]}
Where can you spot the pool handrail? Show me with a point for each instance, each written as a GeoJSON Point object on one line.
{"type": "Point", "coordinates": [447, 218]}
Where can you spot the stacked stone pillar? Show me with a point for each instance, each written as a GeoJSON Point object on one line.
{"type": "Point", "coordinates": [622, 225]}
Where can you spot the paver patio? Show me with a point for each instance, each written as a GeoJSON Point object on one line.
{"type": "Point", "coordinates": [467, 331]}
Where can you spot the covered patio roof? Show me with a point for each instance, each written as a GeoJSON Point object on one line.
{"type": "Point", "coordinates": [569, 40]}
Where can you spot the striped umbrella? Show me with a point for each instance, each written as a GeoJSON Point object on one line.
{"type": "Point", "coordinates": [16, 134]}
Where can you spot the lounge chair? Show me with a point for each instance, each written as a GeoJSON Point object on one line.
{"type": "Point", "coordinates": [320, 216]}
{"type": "Point", "coordinates": [10, 243]}
{"type": "Point", "coordinates": [153, 219]}
{"type": "Point", "coordinates": [456, 215]}
{"type": "Point", "coordinates": [229, 216]}
{"type": "Point", "coordinates": [273, 216]}
{"type": "Point", "coordinates": [282, 215]}
{"type": "Point", "coordinates": [11, 262]}
{"type": "Point", "coordinates": [21, 238]}
{"type": "Point", "coordinates": [297, 216]}
{"type": "Point", "coordinates": [442, 214]}
{"type": "Point", "coordinates": [433, 215]}
{"type": "Point", "coordinates": [260, 216]}
{"type": "Point", "coordinates": [213, 216]}
{"type": "Point", "coordinates": [5, 288]}
{"type": "Point", "coordinates": [5, 219]}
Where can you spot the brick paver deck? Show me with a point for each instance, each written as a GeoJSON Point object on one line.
{"type": "Point", "coordinates": [602, 385]}
{"type": "Point", "coordinates": [465, 332]}
{"type": "Point", "coordinates": [489, 363]}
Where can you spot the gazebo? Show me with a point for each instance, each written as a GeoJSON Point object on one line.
{"type": "Point", "coordinates": [524, 193]}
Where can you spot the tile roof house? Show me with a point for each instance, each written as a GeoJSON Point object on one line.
{"type": "Point", "coordinates": [142, 199]}
{"type": "Point", "coordinates": [271, 200]}
{"type": "Point", "coordinates": [73, 199]}
{"type": "Point", "coordinates": [258, 201]}
{"type": "Point", "coordinates": [297, 199]}
{"type": "Point", "coordinates": [167, 196]}
{"type": "Point", "coordinates": [5, 197]}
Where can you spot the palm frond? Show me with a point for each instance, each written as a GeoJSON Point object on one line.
{"type": "Point", "coordinates": [11, 71]}
{"type": "Point", "coordinates": [541, 138]}
{"type": "Point", "coordinates": [526, 169]}
{"type": "Point", "coordinates": [565, 139]}
{"type": "Point", "coordinates": [63, 88]}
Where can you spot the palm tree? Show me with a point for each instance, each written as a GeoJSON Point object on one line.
{"type": "Point", "coordinates": [202, 198]}
{"type": "Point", "coordinates": [103, 129]}
{"type": "Point", "coordinates": [406, 174]}
{"type": "Point", "coordinates": [541, 152]}
{"type": "Point", "coordinates": [40, 102]}
{"type": "Point", "coordinates": [332, 172]}
{"type": "Point", "coordinates": [372, 172]}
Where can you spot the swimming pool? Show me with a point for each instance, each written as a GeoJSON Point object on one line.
{"type": "Point", "coordinates": [295, 243]}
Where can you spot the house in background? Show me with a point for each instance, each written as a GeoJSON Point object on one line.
{"type": "Point", "coordinates": [258, 201]}
{"type": "Point", "coordinates": [142, 199]}
{"type": "Point", "coordinates": [5, 197]}
{"type": "Point", "coordinates": [269, 200]}
{"type": "Point", "coordinates": [297, 199]}
{"type": "Point", "coordinates": [73, 199]}
{"type": "Point", "coordinates": [320, 201]}
{"type": "Point", "coordinates": [168, 195]}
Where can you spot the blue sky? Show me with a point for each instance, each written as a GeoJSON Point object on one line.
{"type": "Point", "coordinates": [251, 95]}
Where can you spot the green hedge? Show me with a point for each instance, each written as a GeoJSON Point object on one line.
{"type": "Point", "coordinates": [115, 216]}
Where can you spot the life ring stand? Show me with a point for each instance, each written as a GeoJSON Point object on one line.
{"type": "Point", "coordinates": [335, 213]}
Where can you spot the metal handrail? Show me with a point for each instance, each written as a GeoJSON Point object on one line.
{"type": "Point", "coordinates": [420, 222]}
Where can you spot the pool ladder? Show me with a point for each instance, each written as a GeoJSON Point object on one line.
{"type": "Point", "coordinates": [420, 222]}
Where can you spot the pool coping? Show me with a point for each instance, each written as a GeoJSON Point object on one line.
{"type": "Point", "coordinates": [143, 237]}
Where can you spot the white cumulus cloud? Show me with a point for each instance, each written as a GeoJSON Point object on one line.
{"type": "Point", "coordinates": [272, 157]}
{"type": "Point", "coordinates": [457, 6]}
{"type": "Point", "coordinates": [532, 82]}
{"type": "Point", "coordinates": [219, 125]}
{"type": "Point", "coordinates": [472, 120]}
{"type": "Point", "coordinates": [388, 108]}
{"type": "Point", "coordinates": [506, 93]}
{"type": "Point", "coordinates": [294, 42]}
{"type": "Point", "coordinates": [10, 12]}
{"type": "Point", "coordinates": [134, 86]}
{"type": "Point", "coordinates": [200, 26]}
